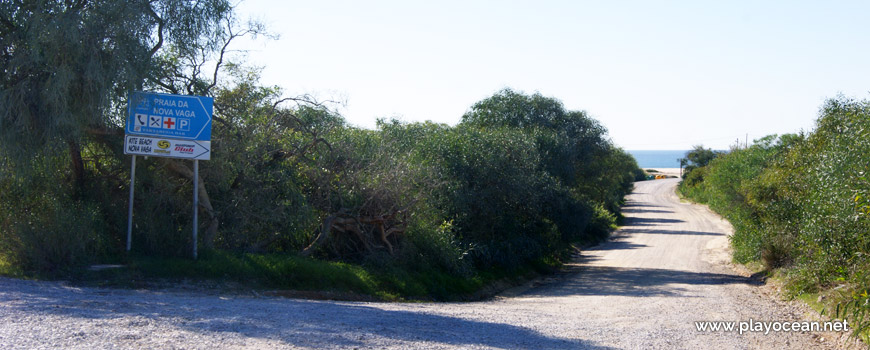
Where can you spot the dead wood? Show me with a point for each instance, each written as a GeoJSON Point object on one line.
{"type": "Point", "coordinates": [369, 231]}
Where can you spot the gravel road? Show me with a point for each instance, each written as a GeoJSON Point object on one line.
{"type": "Point", "coordinates": [667, 268]}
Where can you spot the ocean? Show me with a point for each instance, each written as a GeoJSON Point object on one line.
{"type": "Point", "coordinates": [658, 159]}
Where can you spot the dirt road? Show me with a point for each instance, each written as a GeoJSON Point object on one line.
{"type": "Point", "coordinates": [665, 270]}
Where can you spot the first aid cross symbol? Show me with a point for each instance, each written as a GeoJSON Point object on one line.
{"type": "Point", "coordinates": [169, 123]}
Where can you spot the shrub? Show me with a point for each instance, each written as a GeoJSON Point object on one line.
{"type": "Point", "coordinates": [796, 203]}
{"type": "Point", "coordinates": [43, 230]}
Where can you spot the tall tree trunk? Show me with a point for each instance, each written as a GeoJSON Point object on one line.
{"type": "Point", "coordinates": [77, 165]}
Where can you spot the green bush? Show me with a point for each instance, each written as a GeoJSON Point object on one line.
{"type": "Point", "coordinates": [44, 230]}
{"type": "Point", "coordinates": [520, 178]}
{"type": "Point", "coordinates": [603, 221]}
{"type": "Point", "coordinates": [488, 185]}
{"type": "Point", "coordinates": [797, 203]}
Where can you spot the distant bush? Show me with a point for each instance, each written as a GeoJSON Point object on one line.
{"type": "Point", "coordinates": [698, 158]}
{"type": "Point", "coordinates": [492, 189]}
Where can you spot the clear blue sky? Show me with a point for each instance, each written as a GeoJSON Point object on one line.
{"type": "Point", "coordinates": [657, 74]}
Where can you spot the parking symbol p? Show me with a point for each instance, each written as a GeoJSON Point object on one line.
{"type": "Point", "coordinates": [183, 124]}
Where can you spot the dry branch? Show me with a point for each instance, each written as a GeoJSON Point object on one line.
{"type": "Point", "coordinates": [367, 230]}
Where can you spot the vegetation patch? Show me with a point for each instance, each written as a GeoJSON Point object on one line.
{"type": "Point", "coordinates": [304, 277]}
{"type": "Point", "coordinates": [798, 204]}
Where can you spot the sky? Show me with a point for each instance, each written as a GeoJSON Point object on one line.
{"type": "Point", "coordinates": [659, 75]}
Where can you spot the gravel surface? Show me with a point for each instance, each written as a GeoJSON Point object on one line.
{"type": "Point", "coordinates": [667, 268]}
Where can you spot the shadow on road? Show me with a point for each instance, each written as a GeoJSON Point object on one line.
{"type": "Point", "coordinates": [669, 232]}
{"type": "Point", "coordinates": [641, 211]}
{"type": "Point", "coordinates": [295, 323]}
{"type": "Point", "coordinates": [615, 243]}
{"type": "Point", "coordinates": [635, 282]}
{"type": "Point", "coordinates": [635, 204]}
{"type": "Point", "coordinates": [634, 221]}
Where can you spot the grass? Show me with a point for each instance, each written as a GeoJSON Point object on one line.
{"type": "Point", "coordinates": [7, 268]}
{"type": "Point", "coordinates": [812, 300]}
{"type": "Point", "coordinates": [269, 271]}
{"type": "Point", "coordinates": [286, 274]}
{"type": "Point", "coordinates": [827, 309]}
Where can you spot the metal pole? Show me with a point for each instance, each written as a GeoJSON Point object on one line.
{"type": "Point", "coordinates": [195, 202]}
{"type": "Point", "coordinates": [130, 213]}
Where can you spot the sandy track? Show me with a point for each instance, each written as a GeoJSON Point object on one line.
{"type": "Point", "coordinates": [667, 268]}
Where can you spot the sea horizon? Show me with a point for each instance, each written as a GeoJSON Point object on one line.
{"type": "Point", "coordinates": [658, 158]}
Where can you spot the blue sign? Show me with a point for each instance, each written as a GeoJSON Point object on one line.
{"type": "Point", "coordinates": [171, 116]}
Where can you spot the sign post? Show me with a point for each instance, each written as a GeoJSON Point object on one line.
{"type": "Point", "coordinates": [130, 213]}
{"type": "Point", "coordinates": [195, 202]}
{"type": "Point", "coordinates": [173, 126]}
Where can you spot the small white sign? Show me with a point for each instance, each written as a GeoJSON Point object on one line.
{"type": "Point", "coordinates": [163, 147]}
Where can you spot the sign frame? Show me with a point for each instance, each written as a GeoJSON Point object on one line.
{"type": "Point", "coordinates": [172, 126]}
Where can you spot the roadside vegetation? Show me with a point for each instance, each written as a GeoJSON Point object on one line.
{"type": "Point", "coordinates": [293, 197]}
{"type": "Point", "coordinates": [799, 205]}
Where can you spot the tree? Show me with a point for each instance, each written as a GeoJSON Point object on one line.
{"type": "Point", "coordinates": [561, 134]}
{"type": "Point", "coordinates": [572, 182]}
{"type": "Point", "coordinates": [508, 108]}
{"type": "Point", "coordinates": [698, 157]}
{"type": "Point", "coordinates": [68, 65]}
{"type": "Point", "coordinates": [701, 156]}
